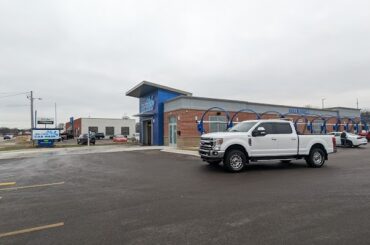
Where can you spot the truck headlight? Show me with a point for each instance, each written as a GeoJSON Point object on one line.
{"type": "Point", "coordinates": [217, 144]}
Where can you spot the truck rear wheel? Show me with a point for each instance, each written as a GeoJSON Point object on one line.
{"type": "Point", "coordinates": [316, 159]}
{"type": "Point", "coordinates": [235, 161]}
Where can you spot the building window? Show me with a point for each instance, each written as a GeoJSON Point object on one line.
{"type": "Point", "coordinates": [93, 129]}
{"type": "Point", "coordinates": [125, 131]}
{"type": "Point", "coordinates": [217, 124]}
{"type": "Point", "coordinates": [109, 131]}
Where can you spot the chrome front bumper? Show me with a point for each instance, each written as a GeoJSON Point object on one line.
{"type": "Point", "coordinates": [211, 154]}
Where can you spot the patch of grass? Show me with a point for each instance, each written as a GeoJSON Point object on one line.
{"type": "Point", "coordinates": [16, 147]}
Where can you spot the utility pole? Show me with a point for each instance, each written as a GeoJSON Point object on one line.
{"type": "Point", "coordinates": [31, 99]}
{"type": "Point", "coordinates": [322, 103]}
{"type": "Point", "coordinates": [357, 103]}
{"type": "Point", "coordinates": [56, 123]}
{"type": "Point", "coordinates": [35, 119]}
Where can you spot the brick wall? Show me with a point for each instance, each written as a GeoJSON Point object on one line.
{"type": "Point", "coordinates": [186, 124]}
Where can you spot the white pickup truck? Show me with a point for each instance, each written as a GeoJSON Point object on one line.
{"type": "Point", "coordinates": [264, 140]}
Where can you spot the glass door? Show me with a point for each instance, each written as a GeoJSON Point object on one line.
{"type": "Point", "coordinates": [172, 133]}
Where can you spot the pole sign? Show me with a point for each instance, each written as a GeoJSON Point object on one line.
{"type": "Point", "coordinates": [45, 120]}
{"type": "Point", "coordinates": [45, 134]}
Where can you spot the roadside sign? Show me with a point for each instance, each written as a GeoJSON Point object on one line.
{"type": "Point", "coordinates": [45, 143]}
{"type": "Point", "coordinates": [45, 120]}
{"type": "Point", "coordinates": [45, 134]}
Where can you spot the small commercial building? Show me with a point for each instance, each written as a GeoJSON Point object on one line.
{"type": "Point", "coordinates": [174, 117]}
{"type": "Point", "coordinates": [108, 126]}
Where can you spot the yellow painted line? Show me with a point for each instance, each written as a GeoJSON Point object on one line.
{"type": "Point", "coordinates": [7, 183]}
{"type": "Point", "coordinates": [39, 228]}
{"type": "Point", "coordinates": [30, 186]}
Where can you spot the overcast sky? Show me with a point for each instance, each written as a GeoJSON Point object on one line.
{"type": "Point", "coordinates": [84, 55]}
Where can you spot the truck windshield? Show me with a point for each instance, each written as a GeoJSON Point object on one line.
{"type": "Point", "coordinates": [242, 127]}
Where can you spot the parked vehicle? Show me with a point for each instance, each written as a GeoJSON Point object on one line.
{"type": "Point", "coordinates": [99, 136]}
{"type": "Point", "coordinates": [83, 138]}
{"type": "Point", "coordinates": [366, 135]}
{"type": "Point", "coordinates": [120, 139]}
{"type": "Point", "coordinates": [66, 136]}
{"type": "Point", "coordinates": [8, 137]}
{"type": "Point", "coordinates": [137, 136]}
{"type": "Point", "coordinates": [250, 141]}
{"type": "Point", "coordinates": [352, 140]}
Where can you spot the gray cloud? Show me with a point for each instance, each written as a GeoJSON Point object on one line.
{"type": "Point", "coordinates": [85, 54]}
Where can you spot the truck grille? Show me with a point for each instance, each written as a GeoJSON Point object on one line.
{"type": "Point", "coordinates": [206, 144]}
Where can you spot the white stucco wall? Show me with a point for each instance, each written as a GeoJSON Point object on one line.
{"type": "Point", "coordinates": [102, 123]}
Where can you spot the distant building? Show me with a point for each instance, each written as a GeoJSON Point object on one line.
{"type": "Point", "coordinates": [365, 115]}
{"type": "Point", "coordinates": [108, 126]}
{"type": "Point", "coordinates": [61, 125]}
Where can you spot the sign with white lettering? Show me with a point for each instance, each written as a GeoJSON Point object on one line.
{"type": "Point", "coordinates": [300, 111]}
{"type": "Point", "coordinates": [45, 134]}
{"type": "Point", "coordinates": [147, 103]}
{"type": "Point", "coordinates": [45, 120]}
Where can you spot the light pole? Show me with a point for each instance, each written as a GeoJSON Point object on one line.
{"type": "Point", "coordinates": [322, 103]}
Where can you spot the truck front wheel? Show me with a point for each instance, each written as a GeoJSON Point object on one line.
{"type": "Point", "coordinates": [316, 159]}
{"type": "Point", "coordinates": [235, 161]}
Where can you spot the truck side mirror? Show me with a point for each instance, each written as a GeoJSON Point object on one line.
{"type": "Point", "coordinates": [261, 131]}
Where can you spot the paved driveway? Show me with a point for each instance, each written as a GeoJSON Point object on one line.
{"type": "Point", "coordinates": [152, 197]}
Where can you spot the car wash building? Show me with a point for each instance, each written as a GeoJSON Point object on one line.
{"type": "Point", "coordinates": [174, 117]}
{"type": "Point", "coordinates": [152, 98]}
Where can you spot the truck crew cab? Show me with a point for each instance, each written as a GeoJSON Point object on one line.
{"type": "Point", "coordinates": [255, 140]}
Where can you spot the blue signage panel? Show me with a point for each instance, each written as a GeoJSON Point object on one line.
{"type": "Point", "coordinates": [300, 111]}
{"type": "Point", "coordinates": [45, 134]}
{"type": "Point", "coordinates": [147, 103]}
{"type": "Point", "coordinates": [45, 143]}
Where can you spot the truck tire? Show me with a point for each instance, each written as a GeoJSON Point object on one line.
{"type": "Point", "coordinates": [316, 159]}
{"type": "Point", "coordinates": [214, 163]}
{"type": "Point", "coordinates": [235, 161]}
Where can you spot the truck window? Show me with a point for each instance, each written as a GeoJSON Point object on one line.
{"type": "Point", "coordinates": [269, 127]}
{"type": "Point", "coordinates": [283, 128]}
{"type": "Point", "coordinates": [242, 127]}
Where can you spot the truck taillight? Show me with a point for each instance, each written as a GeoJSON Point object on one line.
{"type": "Point", "coordinates": [334, 144]}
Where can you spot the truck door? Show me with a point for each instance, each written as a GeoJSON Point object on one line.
{"type": "Point", "coordinates": [286, 138]}
{"type": "Point", "coordinates": [264, 145]}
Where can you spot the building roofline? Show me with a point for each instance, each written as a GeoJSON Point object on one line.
{"type": "Point", "coordinates": [247, 102]}
{"type": "Point", "coordinates": [135, 91]}
{"type": "Point", "coordinates": [102, 118]}
{"type": "Point", "coordinates": [342, 107]}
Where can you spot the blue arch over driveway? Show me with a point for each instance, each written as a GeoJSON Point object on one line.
{"type": "Point", "coordinates": [201, 123]}
{"type": "Point", "coordinates": [231, 124]}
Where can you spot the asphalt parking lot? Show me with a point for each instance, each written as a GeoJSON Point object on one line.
{"type": "Point", "coordinates": [152, 197]}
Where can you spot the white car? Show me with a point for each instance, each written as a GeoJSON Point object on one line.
{"type": "Point", "coordinates": [255, 140]}
{"type": "Point", "coordinates": [352, 140]}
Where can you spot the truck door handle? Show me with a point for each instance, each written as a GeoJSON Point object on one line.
{"type": "Point", "coordinates": [273, 139]}
{"type": "Point", "coordinates": [294, 139]}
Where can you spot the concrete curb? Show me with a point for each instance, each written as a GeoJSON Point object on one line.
{"type": "Point", "coordinates": [73, 151]}
{"type": "Point", "coordinates": [178, 151]}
